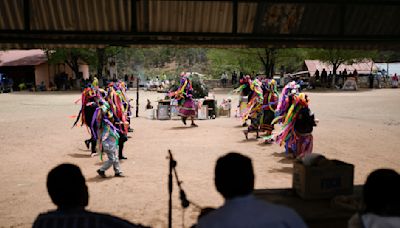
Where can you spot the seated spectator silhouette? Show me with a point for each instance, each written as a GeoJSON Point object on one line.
{"type": "Point", "coordinates": [234, 179]}
{"type": "Point", "coordinates": [381, 200]}
{"type": "Point", "coordinates": [67, 189]}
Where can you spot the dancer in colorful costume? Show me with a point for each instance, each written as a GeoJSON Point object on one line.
{"type": "Point", "coordinates": [184, 95]}
{"type": "Point", "coordinates": [245, 93]}
{"type": "Point", "coordinates": [297, 121]}
{"type": "Point", "coordinates": [254, 108]}
{"type": "Point", "coordinates": [271, 96]}
{"type": "Point", "coordinates": [88, 108]}
{"type": "Point", "coordinates": [119, 106]}
{"type": "Point", "coordinates": [108, 136]}
{"type": "Point", "coordinates": [97, 115]}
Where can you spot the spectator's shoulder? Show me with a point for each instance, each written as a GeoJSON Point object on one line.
{"type": "Point", "coordinates": [113, 221]}
{"type": "Point", "coordinates": [283, 214]}
{"type": "Point", "coordinates": [210, 220]}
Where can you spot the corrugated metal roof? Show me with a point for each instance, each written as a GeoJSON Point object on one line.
{"type": "Point", "coordinates": [22, 57]}
{"type": "Point", "coordinates": [11, 14]}
{"type": "Point", "coordinates": [187, 16]}
{"type": "Point", "coordinates": [341, 23]}
{"type": "Point", "coordinates": [78, 15]}
{"type": "Point", "coordinates": [27, 61]}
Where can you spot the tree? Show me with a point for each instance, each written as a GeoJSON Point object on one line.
{"type": "Point", "coordinates": [255, 59]}
{"type": "Point", "coordinates": [244, 60]}
{"type": "Point", "coordinates": [71, 56]}
{"type": "Point", "coordinates": [387, 57]}
{"type": "Point", "coordinates": [102, 56]}
{"type": "Point", "coordinates": [268, 60]}
{"type": "Point", "coordinates": [291, 59]}
{"type": "Point", "coordinates": [337, 57]}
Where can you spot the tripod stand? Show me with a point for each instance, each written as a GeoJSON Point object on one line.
{"type": "Point", "coordinates": [184, 201]}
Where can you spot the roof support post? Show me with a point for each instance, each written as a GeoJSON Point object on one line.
{"type": "Point", "coordinates": [146, 15]}
{"type": "Point", "coordinates": [27, 15]}
{"type": "Point", "coordinates": [261, 9]}
{"type": "Point", "coordinates": [234, 16]}
{"type": "Point", "coordinates": [342, 19]}
{"type": "Point", "coordinates": [133, 16]}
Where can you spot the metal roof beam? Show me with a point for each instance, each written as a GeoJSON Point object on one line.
{"type": "Point", "coordinates": [276, 43]}
{"type": "Point", "coordinates": [11, 35]}
{"type": "Point", "coordinates": [361, 2]}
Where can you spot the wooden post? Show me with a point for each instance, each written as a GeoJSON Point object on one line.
{"type": "Point", "coordinates": [137, 97]}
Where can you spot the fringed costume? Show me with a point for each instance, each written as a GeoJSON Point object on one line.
{"type": "Point", "coordinates": [104, 112]}
{"type": "Point", "coordinates": [297, 121]}
{"type": "Point", "coordinates": [108, 137]}
{"type": "Point", "coordinates": [184, 95]}
{"type": "Point", "coordinates": [254, 108]}
{"type": "Point", "coordinates": [119, 107]}
{"type": "Point", "coordinates": [245, 92]}
{"type": "Point", "coordinates": [88, 108]}
{"type": "Point", "coordinates": [271, 96]}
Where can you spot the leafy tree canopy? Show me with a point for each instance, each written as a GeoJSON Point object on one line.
{"type": "Point", "coordinates": [337, 57]}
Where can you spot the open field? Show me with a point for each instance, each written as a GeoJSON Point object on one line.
{"type": "Point", "coordinates": [362, 128]}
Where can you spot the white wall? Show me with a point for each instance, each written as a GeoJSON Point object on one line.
{"type": "Point", "coordinates": [85, 70]}
{"type": "Point", "coordinates": [42, 74]}
{"type": "Point", "coordinates": [45, 72]}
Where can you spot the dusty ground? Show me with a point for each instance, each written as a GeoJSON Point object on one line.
{"type": "Point", "coordinates": [362, 128]}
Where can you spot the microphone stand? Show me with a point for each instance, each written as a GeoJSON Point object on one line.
{"type": "Point", "coordinates": [184, 202]}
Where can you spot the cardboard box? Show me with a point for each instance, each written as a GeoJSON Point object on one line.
{"type": "Point", "coordinates": [319, 182]}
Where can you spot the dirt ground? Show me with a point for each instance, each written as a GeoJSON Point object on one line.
{"type": "Point", "coordinates": [362, 128]}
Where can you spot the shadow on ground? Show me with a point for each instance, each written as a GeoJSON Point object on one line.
{"type": "Point", "coordinates": [77, 155]}
{"type": "Point", "coordinates": [265, 144]}
{"type": "Point", "coordinates": [286, 161]}
{"type": "Point", "coordinates": [248, 140]}
{"type": "Point", "coordinates": [279, 154]}
{"type": "Point", "coordinates": [287, 170]}
{"type": "Point", "coordinates": [98, 179]}
{"type": "Point", "coordinates": [181, 127]}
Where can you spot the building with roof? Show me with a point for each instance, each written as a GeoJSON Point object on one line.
{"type": "Point", "coordinates": [32, 68]}
{"type": "Point", "coordinates": [363, 68]}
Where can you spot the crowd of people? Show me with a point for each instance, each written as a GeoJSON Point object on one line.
{"type": "Point", "coordinates": [326, 80]}
{"type": "Point", "coordinates": [350, 80]}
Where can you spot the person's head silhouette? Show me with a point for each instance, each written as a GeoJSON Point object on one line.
{"type": "Point", "coordinates": [67, 188]}
{"type": "Point", "coordinates": [381, 193]}
{"type": "Point", "coordinates": [234, 175]}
